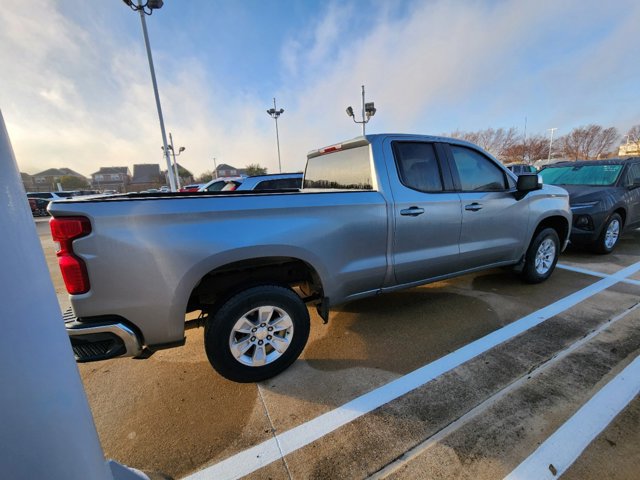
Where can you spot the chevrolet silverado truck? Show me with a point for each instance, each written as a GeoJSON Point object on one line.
{"type": "Point", "coordinates": [375, 214]}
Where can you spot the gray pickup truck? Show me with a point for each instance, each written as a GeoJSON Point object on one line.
{"type": "Point", "coordinates": [375, 214]}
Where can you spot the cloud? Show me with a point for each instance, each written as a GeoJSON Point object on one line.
{"type": "Point", "coordinates": [75, 89]}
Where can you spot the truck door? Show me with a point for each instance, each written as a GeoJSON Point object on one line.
{"type": "Point", "coordinates": [493, 220]}
{"type": "Point", "coordinates": [427, 213]}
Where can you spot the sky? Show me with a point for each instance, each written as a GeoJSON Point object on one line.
{"type": "Point", "coordinates": [75, 88]}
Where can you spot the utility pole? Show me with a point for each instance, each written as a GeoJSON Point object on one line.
{"type": "Point", "coordinates": [275, 113]}
{"type": "Point", "coordinates": [524, 146]}
{"type": "Point", "coordinates": [215, 168]}
{"type": "Point", "coordinates": [368, 111]}
{"type": "Point", "coordinates": [550, 142]}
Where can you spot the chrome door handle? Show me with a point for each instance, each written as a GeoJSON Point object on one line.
{"type": "Point", "coordinates": [473, 207]}
{"type": "Point", "coordinates": [412, 211]}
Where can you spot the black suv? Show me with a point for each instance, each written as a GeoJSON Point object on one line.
{"type": "Point", "coordinates": [604, 197]}
{"type": "Point", "coordinates": [520, 168]}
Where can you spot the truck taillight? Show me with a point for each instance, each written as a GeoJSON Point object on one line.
{"type": "Point", "coordinates": [74, 271]}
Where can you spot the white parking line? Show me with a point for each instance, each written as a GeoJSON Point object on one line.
{"type": "Point", "coordinates": [254, 458]}
{"type": "Point", "coordinates": [482, 407]}
{"type": "Point", "coordinates": [593, 273]}
{"type": "Point", "coordinates": [561, 449]}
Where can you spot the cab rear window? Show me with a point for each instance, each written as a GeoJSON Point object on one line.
{"type": "Point", "coordinates": [342, 170]}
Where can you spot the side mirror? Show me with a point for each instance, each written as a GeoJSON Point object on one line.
{"type": "Point", "coordinates": [528, 182]}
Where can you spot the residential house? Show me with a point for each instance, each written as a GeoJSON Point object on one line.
{"type": "Point", "coordinates": [146, 176]}
{"type": "Point", "coordinates": [629, 149]}
{"type": "Point", "coordinates": [111, 178]}
{"type": "Point", "coordinates": [224, 170]}
{"type": "Point", "coordinates": [49, 179]}
{"type": "Point", "coordinates": [27, 181]}
{"type": "Point", "coordinates": [186, 177]}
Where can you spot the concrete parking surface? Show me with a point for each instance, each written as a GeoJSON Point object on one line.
{"type": "Point", "coordinates": [479, 419]}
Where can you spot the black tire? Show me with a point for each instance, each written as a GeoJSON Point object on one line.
{"type": "Point", "coordinates": [606, 243]}
{"type": "Point", "coordinates": [220, 328]}
{"type": "Point", "coordinates": [539, 245]}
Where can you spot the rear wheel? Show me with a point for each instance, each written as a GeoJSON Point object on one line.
{"type": "Point", "coordinates": [542, 256]}
{"type": "Point", "coordinates": [608, 239]}
{"type": "Point", "coordinates": [257, 333]}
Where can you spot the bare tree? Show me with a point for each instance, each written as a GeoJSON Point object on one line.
{"type": "Point", "coordinates": [633, 138]}
{"type": "Point", "coordinates": [588, 142]}
{"type": "Point", "coordinates": [526, 150]}
{"type": "Point", "coordinates": [496, 141]}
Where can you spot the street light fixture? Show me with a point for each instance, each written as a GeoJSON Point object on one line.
{"type": "Point", "coordinates": [175, 164]}
{"type": "Point", "coordinates": [368, 111]}
{"type": "Point", "coordinates": [147, 9]}
{"type": "Point", "coordinates": [275, 113]}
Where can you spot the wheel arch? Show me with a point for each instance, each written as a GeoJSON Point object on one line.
{"type": "Point", "coordinates": [223, 281]}
{"type": "Point", "coordinates": [620, 210]}
{"type": "Point", "coordinates": [559, 223]}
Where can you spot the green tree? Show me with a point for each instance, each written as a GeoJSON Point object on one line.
{"type": "Point", "coordinates": [71, 182]}
{"type": "Point", "coordinates": [255, 169]}
{"type": "Point", "coordinates": [205, 177]}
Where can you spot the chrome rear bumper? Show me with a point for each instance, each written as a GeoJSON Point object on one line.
{"type": "Point", "coordinates": [101, 340]}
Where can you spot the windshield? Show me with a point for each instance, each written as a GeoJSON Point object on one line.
{"type": "Point", "coordinates": [581, 175]}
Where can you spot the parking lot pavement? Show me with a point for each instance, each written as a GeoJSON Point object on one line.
{"type": "Point", "coordinates": [625, 254]}
{"type": "Point", "coordinates": [614, 454]}
{"type": "Point", "coordinates": [174, 414]}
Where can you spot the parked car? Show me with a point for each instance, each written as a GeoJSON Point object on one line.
{"type": "Point", "coordinates": [520, 168]}
{"type": "Point", "coordinates": [58, 195]}
{"type": "Point", "coordinates": [604, 197]}
{"type": "Point", "coordinates": [376, 214]}
{"type": "Point", "coordinates": [218, 184]}
{"type": "Point", "coordinates": [192, 187]}
{"type": "Point", "coordinates": [275, 181]}
{"type": "Point", "coordinates": [52, 195]}
{"type": "Point", "coordinates": [38, 206]}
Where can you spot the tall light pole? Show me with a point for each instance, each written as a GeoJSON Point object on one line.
{"type": "Point", "coordinates": [368, 111]}
{"type": "Point", "coordinates": [152, 5]}
{"type": "Point", "coordinates": [275, 113]}
{"type": "Point", "coordinates": [550, 142]}
{"type": "Point", "coordinates": [215, 168]}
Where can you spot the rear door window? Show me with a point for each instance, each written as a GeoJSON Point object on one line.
{"type": "Point", "coordinates": [476, 172]}
{"type": "Point", "coordinates": [418, 166]}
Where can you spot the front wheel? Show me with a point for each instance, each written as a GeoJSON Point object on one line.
{"type": "Point", "coordinates": [257, 333]}
{"type": "Point", "coordinates": [542, 256]}
{"type": "Point", "coordinates": [608, 239]}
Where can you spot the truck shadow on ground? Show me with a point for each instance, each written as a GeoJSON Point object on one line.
{"type": "Point", "coordinates": [400, 331]}
{"type": "Point", "coordinates": [372, 341]}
